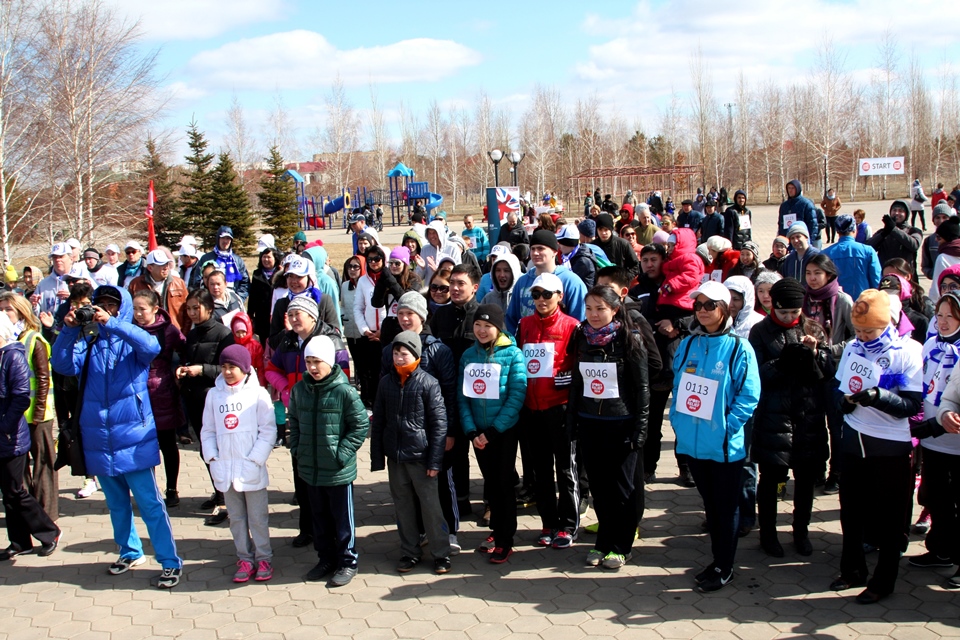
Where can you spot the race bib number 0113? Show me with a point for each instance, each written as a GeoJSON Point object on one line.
{"type": "Point", "coordinates": [481, 381]}
{"type": "Point", "coordinates": [697, 396]}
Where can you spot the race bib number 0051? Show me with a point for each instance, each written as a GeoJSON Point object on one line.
{"type": "Point", "coordinates": [857, 375]}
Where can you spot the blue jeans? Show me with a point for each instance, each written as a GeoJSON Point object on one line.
{"type": "Point", "coordinates": [143, 485]}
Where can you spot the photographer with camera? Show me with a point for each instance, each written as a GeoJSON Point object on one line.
{"type": "Point", "coordinates": [116, 425]}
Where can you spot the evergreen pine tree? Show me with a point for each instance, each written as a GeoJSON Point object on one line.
{"type": "Point", "coordinates": [196, 204]}
{"type": "Point", "coordinates": [167, 216]}
{"type": "Point", "coordinates": [229, 206]}
{"type": "Point", "coordinates": [278, 198]}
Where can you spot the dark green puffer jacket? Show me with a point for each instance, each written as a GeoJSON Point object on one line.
{"type": "Point", "coordinates": [328, 424]}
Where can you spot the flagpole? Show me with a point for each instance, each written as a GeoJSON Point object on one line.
{"type": "Point", "coordinates": [151, 231]}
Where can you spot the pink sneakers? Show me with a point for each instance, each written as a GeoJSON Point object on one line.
{"type": "Point", "coordinates": [244, 571]}
{"type": "Point", "coordinates": [264, 571]}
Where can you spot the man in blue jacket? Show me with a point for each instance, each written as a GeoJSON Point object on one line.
{"type": "Point", "coordinates": [543, 254]}
{"type": "Point", "coordinates": [116, 424]}
{"type": "Point", "coordinates": [858, 264]}
{"type": "Point", "coordinates": [796, 208]}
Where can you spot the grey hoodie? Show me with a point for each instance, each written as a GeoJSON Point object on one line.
{"type": "Point", "coordinates": [497, 296]}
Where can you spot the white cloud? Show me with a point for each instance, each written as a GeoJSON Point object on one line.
{"type": "Point", "coordinates": [182, 92]}
{"type": "Point", "coordinates": [197, 19]}
{"type": "Point", "coordinates": [304, 59]}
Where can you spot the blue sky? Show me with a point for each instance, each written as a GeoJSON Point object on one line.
{"type": "Point", "coordinates": [630, 54]}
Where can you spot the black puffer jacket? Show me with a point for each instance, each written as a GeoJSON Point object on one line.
{"type": "Point", "coordinates": [259, 304]}
{"type": "Point", "coordinates": [205, 342]}
{"type": "Point", "coordinates": [409, 421]}
{"type": "Point", "coordinates": [790, 424]}
{"type": "Point", "coordinates": [437, 360]}
{"type": "Point", "coordinates": [583, 265]}
{"type": "Point", "coordinates": [632, 378]}
{"type": "Point", "coordinates": [453, 325]}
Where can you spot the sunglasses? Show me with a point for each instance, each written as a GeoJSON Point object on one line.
{"type": "Point", "coordinates": [374, 259]}
{"type": "Point", "coordinates": [353, 267]}
{"type": "Point", "coordinates": [395, 263]}
{"type": "Point", "coordinates": [439, 288]}
{"type": "Point", "coordinates": [131, 251]}
{"type": "Point", "coordinates": [546, 295]}
{"type": "Point", "coordinates": [947, 287]}
{"type": "Point", "coordinates": [709, 305]}
{"type": "Point", "coordinates": [629, 235]}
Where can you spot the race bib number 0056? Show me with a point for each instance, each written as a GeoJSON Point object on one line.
{"type": "Point", "coordinates": [481, 381]}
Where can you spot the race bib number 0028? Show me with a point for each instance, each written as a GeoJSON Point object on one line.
{"type": "Point", "coordinates": [538, 358]}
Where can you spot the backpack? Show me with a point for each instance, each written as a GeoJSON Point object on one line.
{"type": "Point", "coordinates": [597, 260]}
{"type": "Point", "coordinates": [821, 220]}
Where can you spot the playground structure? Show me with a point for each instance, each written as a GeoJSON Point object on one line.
{"type": "Point", "coordinates": [321, 213]}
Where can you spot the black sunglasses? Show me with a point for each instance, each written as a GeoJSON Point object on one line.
{"type": "Point", "coordinates": [374, 258]}
{"type": "Point", "coordinates": [439, 288]}
{"type": "Point", "coordinates": [353, 266]}
{"type": "Point", "coordinates": [709, 305]}
{"type": "Point", "coordinates": [546, 295]}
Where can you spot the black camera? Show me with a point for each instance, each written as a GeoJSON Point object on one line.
{"type": "Point", "coordinates": [84, 315]}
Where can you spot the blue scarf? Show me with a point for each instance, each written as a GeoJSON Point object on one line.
{"type": "Point", "coordinates": [888, 341]}
{"type": "Point", "coordinates": [311, 292]}
{"type": "Point", "coordinates": [229, 265]}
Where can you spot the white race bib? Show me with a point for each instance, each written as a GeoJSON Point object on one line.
{"type": "Point", "coordinates": [745, 222]}
{"type": "Point", "coordinates": [788, 220]}
{"type": "Point", "coordinates": [716, 276]}
{"type": "Point", "coordinates": [600, 380]}
{"type": "Point", "coordinates": [482, 381]}
{"type": "Point", "coordinates": [696, 396]}
{"type": "Point", "coordinates": [858, 374]}
{"type": "Point", "coordinates": [931, 380]}
{"type": "Point", "coordinates": [538, 358]}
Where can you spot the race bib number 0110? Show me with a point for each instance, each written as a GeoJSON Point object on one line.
{"type": "Point", "coordinates": [697, 396]}
{"type": "Point", "coordinates": [481, 381]}
{"type": "Point", "coordinates": [600, 380]}
{"type": "Point", "coordinates": [857, 375]}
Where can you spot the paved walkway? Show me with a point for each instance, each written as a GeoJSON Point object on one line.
{"type": "Point", "coordinates": [539, 593]}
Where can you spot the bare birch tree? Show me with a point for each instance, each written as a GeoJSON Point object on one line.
{"type": "Point", "coordinates": [241, 145]}
{"type": "Point", "coordinates": [702, 110]}
{"type": "Point", "coordinates": [433, 137]}
{"type": "Point", "coordinates": [338, 138]}
{"type": "Point", "coordinates": [378, 137]}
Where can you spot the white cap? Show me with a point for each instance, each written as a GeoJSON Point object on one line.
{"type": "Point", "coordinates": [133, 244]}
{"type": "Point", "coordinates": [265, 242]}
{"type": "Point", "coordinates": [158, 257]}
{"type": "Point", "coordinates": [77, 271]}
{"type": "Point", "coordinates": [74, 243]}
{"type": "Point", "coordinates": [321, 347]}
{"type": "Point", "coordinates": [713, 290]}
{"type": "Point", "coordinates": [672, 238]}
{"type": "Point", "coordinates": [298, 267]}
{"type": "Point", "coordinates": [60, 249]}
{"type": "Point", "coordinates": [112, 248]}
{"type": "Point", "coordinates": [568, 232]}
{"type": "Point", "coordinates": [188, 250]}
{"type": "Point", "coordinates": [499, 250]}
{"type": "Point", "coordinates": [188, 240]}
{"type": "Point", "coordinates": [548, 282]}
{"type": "Point", "coordinates": [287, 259]}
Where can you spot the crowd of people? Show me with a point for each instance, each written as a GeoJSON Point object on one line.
{"type": "Point", "coordinates": [564, 340]}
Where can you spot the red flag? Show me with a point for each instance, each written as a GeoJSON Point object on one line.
{"type": "Point", "coordinates": [151, 232]}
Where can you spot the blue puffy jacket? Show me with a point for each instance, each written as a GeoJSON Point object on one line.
{"type": "Point", "coordinates": [803, 208]}
{"type": "Point", "coordinates": [116, 421]}
{"type": "Point", "coordinates": [14, 400]}
{"type": "Point", "coordinates": [481, 416]}
{"type": "Point", "coordinates": [732, 362]}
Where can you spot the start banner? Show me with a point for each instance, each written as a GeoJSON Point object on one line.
{"type": "Point", "coordinates": [881, 166]}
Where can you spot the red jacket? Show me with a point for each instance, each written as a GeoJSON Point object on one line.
{"type": "Point", "coordinates": [682, 271]}
{"type": "Point", "coordinates": [724, 262]}
{"type": "Point", "coordinates": [542, 393]}
{"type": "Point", "coordinates": [937, 196]}
{"type": "Point", "coordinates": [254, 348]}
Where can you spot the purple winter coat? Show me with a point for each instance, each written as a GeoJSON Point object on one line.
{"type": "Point", "coordinates": [162, 380]}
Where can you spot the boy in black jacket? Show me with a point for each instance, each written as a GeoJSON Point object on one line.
{"type": "Point", "coordinates": [409, 429]}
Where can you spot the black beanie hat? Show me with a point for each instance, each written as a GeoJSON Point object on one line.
{"type": "Point", "coordinates": [491, 313]}
{"type": "Point", "coordinates": [605, 221]}
{"type": "Point", "coordinates": [949, 229]}
{"type": "Point", "coordinates": [787, 293]}
{"type": "Point", "coordinates": [545, 238]}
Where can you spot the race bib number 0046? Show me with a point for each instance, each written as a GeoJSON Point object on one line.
{"type": "Point", "coordinates": [600, 380]}
{"type": "Point", "coordinates": [481, 381]}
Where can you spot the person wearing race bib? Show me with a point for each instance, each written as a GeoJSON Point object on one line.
{"type": "Point", "coordinates": [881, 382]}
{"type": "Point", "coordinates": [493, 386]}
{"type": "Point", "coordinates": [543, 337]}
{"type": "Point", "coordinates": [715, 392]}
{"type": "Point", "coordinates": [939, 436]}
{"type": "Point", "coordinates": [608, 410]}
{"type": "Point", "coordinates": [239, 429]}
{"type": "Point", "coordinates": [790, 424]}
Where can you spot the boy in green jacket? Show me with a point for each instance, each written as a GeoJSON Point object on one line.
{"type": "Point", "coordinates": [328, 424]}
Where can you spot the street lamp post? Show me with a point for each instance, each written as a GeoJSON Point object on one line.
{"type": "Point", "coordinates": [496, 156]}
{"type": "Point", "coordinates": [515, 158]}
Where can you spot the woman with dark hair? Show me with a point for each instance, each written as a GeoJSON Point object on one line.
{"type": "Point", "coordinates": [353, 270]}
{"type": "Point", "coordinates": [790, 423]}
{"type": "Point", "coordinates": [715, 392]}
{"type": "Point", "coordinates": [397, 279]}
{"type": "Point", "coordinates": [545, 221]}
{"type": "Point", "coordinates": [260, 302]}
{"type": "Point", "coordinates": [608, 411]}
{"type": "Point", "coordinates": [162, 384]}
{"type": "Point", "coordinates": [225, 300]}
{"type": "Point", "coordinates": [918, 301]}
{"type": "Point", "coordinates": [908, 322]}
{"type": "Point", "coordinates": [825, 303]}
{"type": "Point", "coordinates": [369, 322]}
{"type": "Point", "coordinates": [198, 372]}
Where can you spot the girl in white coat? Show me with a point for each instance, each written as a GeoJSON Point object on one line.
{"type": "Point", "coordinates": [239, 429]}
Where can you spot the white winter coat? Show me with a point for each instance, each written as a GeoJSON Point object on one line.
{"type": "Point", "coordinates": [367, 316]}
{"type": "Point", "coordinates": [239, 429]}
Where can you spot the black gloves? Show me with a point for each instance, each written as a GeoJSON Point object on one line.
{"type": "Point", "coordinates": [929, 428]}
{"type": "Point", "coordinates": [796, 359]}
{"type": "Point", "coordinates": [637, 440]}
{"type": "Point", "coordinates": [888, 223]}
{"type": "Point", "coordinates": [866, 398]}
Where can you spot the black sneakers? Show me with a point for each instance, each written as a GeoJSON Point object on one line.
{"type": "Point", "coordinates": [930, 560]}
{"type": "Point", "coordinates": [715, 581]}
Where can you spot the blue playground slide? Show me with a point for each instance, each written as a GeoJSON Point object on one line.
{"type": "Point", "coordinates": [336, 205]}
{"type": "Point", "coordinates": [434, 200]}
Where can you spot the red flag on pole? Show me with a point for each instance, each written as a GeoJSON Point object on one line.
{"type": "Point", "coordinates": [151, 232]}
